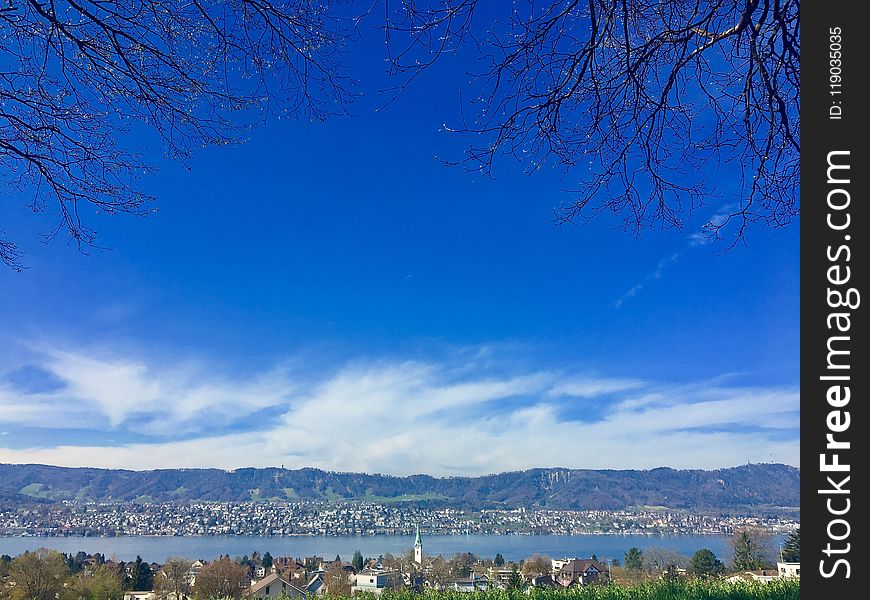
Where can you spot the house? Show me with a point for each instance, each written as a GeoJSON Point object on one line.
{"type": "Point", "coordinates": [788, 570]}
{"type": "Point", "coordinates": [543, 581]}
{"type": "Point", "coordinates": [414, 581]}
{"type": "Point", "coordinates": [172, 596]}
{"type": "Point", "coordinates": [374, 581]}
{"type": "Point", "coordinates": [315, 586]}
{"type": "Point", "coordinates": [558, 563]}
{"type": "Point", "coordinates": [130, 595]}
{"type": "Point", "coordinates": [273, 586]}
{"type": "Point", "coordinates": [762, 575]}
{"type": "Point", "coordinates": [282, 563]}
{"type": "Point", "coordinates": [500, 577]}
{"type": "Point", "coordinates": [314, 563]}
{"type": "Point", "coordinates": [580, 571]}
{"type": "Point", "coordinates": [193, 571]}
{"type": "Point", "coordinates": [473, 583]}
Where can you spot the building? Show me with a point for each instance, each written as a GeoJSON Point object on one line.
{"type": "Point", "coordinates": [543, 581]}
{"type": "Point", "coordinates": [558, 563]}
{"type": "Point", "coordinates": [274, 586]}
{"type": "Point", "coordinates": [580, 571]}
{"type": "Point", "coordinates": [193, 571]}
{"type": "Point", "coordinates": [789, 569]}
{"type": "Point", "coordinates": [374, 581]}
{"type": "Point", "coordinates": [473, 583]}
{"type": "Point", "coordinates": [502, 577]}
{"type": "Point", "coordinates": [418, 548]}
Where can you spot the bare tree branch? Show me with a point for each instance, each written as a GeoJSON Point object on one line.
{"type": "Point", "coordinates": [635, 99]}
{"type": "Point", "coordinates": [78, 75]}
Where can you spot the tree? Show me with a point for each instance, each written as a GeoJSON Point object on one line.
{"type": "Point", "coordinates": [391, 562]}
{"type": "Point", "coordinates": [663, 560]}
{"type": "Point", "coordinates": [499, 560]}
{"type": "Point", "coordinates": [460, 565]}
{"type": "Point", "coordinates": [100, 584]}
{"type": "Point", "coordinates": [408, 561]}
{"type": "Point", "coordinates": [5, 559]}
{"type": "Point", "coordinates": [222, 578]}
{"type": "Point", "coordinates": [174, 578]}
{"type": "Point", "coordinates": [632, 99]}
{"type": "Point", "coordinates": [439, 571]}
{"type": "Point", "coordinates": [751, 549]}
{"type": "Point", "coordinates": [705, 564]}
{"type": "Point", "coordinates": [142, 577]}
{"type": "Point", "coordinates": [357, 561]}
{"type": "Point", "coordinates": [38, 575]}
{"type": "Point", "coordinates": [76, 562]}
{"type": "Point", "coordinates": [515, 580]}
{"type": "Point", "coordinates": [336, 581]}
{"type": "Point", "coordinates": [77, 73]}
{"type": "Point", "coordinates": [267, 560]}
{"type": "Point", "coordinates": [536, 565]}
{"type": "Point", "coordinates": [634, 560]}
{"type": "Point", "coordinates": [791, 549]}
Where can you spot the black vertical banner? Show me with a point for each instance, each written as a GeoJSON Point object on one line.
{"type": "Point", "coordinates": [834, 371]}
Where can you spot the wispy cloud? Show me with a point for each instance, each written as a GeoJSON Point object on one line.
{"type": "Point", "coordinates": [694, 239]}
{"type": "Point", "coordinates": [439, 416]}
{"type": "Point", "coordinates": [652, 276]}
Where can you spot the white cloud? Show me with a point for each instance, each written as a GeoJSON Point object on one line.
{"type": "Point", "coordinates": [591, 387]}
{"type": "Point", "coordinates": [693, 240]}
{"type": "Point", "coordinates": [104, 390]}
{"type": "Point", "coordinates": [442, 418]}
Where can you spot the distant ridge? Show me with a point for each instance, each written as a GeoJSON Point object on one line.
{"type": "Point", "coordinates": [771, 488]}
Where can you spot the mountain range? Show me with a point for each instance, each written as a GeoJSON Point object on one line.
{"type": "Point", "coordinates": [752, 488]}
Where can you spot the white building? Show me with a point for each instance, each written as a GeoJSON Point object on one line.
{"type": "Point", "coordinates": [789, 569]}
{"type": "Point", "coordinates": [418, 548]}
{"type": "Point", "coordinates": [558, 563]}
{"type": "Point", "coordinates": [374, 581]}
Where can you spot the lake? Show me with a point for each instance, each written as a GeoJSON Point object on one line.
{"type": "Point", "coordinates": [512, 547]}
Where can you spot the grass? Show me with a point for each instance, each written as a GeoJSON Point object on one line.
{"type": "Point", "coordinates": [786, 589]}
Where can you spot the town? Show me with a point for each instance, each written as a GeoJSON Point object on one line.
{"type": "Point", "coordinates": [320, 518]}
{"type": "Point", "coordinates": [264, 577]}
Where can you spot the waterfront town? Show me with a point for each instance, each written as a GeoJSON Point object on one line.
{"type": "Point", "coordinates": [264, 577]}
{"type": "Point", "coordinates": [315, 518]}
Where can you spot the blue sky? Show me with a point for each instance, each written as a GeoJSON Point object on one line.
{"type": "Point", "coordinates": [329, 294]}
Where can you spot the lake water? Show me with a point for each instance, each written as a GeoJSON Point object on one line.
{"type": "Point", "coordinates": [512, 547]}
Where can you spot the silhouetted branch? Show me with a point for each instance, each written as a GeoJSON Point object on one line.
{"type": "Point", "coordinates": [635, 99]}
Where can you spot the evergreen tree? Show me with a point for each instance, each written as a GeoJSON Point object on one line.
{"type": "Point", "coordinates": [634, 560]}
{"type": "Point", "coordinates": [515, 580]}
{"type": "Point", "coordinates": [357, 561]}
{"type": "Point", "coordinates": [705, 564]}
{"type": "Point", "coordinates": [499, 560]}
{"type": "Point", "coordinates": [267, 561]}
{"type": "Point", "coordinates": [143, 579]}
{"type": "Point", "coordinates": [791, 549]}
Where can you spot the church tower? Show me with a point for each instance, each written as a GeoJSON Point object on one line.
{"type": "Point", "coordinates": [418, 548]}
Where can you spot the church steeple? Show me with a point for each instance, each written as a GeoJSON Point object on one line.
{"type": "Point", "coordinates": [418, 548]}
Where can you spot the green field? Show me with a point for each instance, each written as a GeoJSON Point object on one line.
{"type": "Point", "coordinates": [658, 590]}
